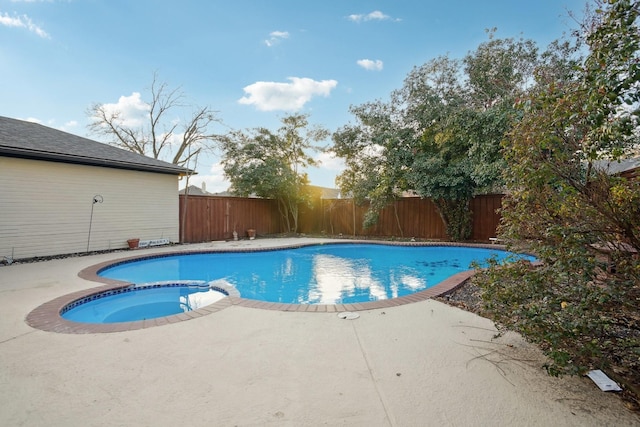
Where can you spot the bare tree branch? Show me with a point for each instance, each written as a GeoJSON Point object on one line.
{"type": "Point", "coordinates": [162, 137]}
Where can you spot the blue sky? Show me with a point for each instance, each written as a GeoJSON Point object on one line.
{"type": "Point", "coordinates": [252, 61]}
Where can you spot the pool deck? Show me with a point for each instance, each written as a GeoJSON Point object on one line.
{"type": "Point", "coordinates": [421, 363]}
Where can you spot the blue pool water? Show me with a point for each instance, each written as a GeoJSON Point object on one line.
{"type": "Point", "coordinates": [131, 304]}
{"type": "Point", "coordinates": [320, 274]}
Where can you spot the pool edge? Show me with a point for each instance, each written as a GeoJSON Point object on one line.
{"type": "Point", "coordinates": [47, 316]}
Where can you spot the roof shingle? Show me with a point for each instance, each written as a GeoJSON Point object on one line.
{"type": "Point", "coordinates": [34, 141]}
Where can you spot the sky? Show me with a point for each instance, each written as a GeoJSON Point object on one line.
{"type": "Point", "coordinates": [251, 61]}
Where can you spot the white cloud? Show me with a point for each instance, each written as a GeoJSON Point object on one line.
{"type": "Point", "coordinates": [270, 96]}
{"type": "Point", "coordinates": [376, 15]}
{"type": "Point", "coordinates": [22, 22]}
{"type": "Point", "coordinates": [369, 64]}
{"type": "Point", "coordinates": [132, 110]}
{"type": "Point", "coordinates": [329, 161]}
{"type": "Point", "coordinates": [276, 37]}
{"type": "Point", "coordinates": [67, 127]}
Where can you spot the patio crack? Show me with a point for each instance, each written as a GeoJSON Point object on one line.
{"type": "Point", "coordinates": [17, 336]}
{"type": "Point", "coordinates": [383, 400]}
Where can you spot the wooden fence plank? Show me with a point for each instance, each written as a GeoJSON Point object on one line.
{"type": "Point", "coordinates": [215, 218]}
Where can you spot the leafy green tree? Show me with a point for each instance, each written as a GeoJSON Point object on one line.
{"type": "Point", "coordinates": [439, 135]}
{"type": "Point", "coordinates": [564, 206]}
{"type": "Point", "coordinates": [374, 156]}
{"type": "Point", "coordinates": [271, 165]}
{"type": "Point", "coordinates": [441, 167]}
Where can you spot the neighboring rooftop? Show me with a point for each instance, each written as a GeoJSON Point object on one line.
{"type": "Point", "coordinates": [322, 192]}
{"type": "Point", "coordinates": [194, 190]}
{"type": "Point", "coordinates": [325, 192]}
{"type": "Point", "coordinates": [29, 140]}
{"type": "Point", "coordinates": [619, 167]}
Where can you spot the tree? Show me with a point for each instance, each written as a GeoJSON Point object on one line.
{"type": "Point", "coordinates": [564, 206]}
{"type": "Point", "coordinates": [373, 156]}
{"type": "Point", "coordinates": [270, 165]}
{"type": "Point", "coordinates": [439, 135]}
{"type": "Point", "coordinates": [160, 136]}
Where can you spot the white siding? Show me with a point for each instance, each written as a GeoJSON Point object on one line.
{"type": "Point", "coordinates": [45, 207]}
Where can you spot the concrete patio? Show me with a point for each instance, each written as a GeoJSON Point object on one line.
{"type": "Point", "coordinates": [420, 364]}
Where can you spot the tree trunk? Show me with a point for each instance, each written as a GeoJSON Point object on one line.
{"type": "Point", "coordinates": [395, 211]}
{"type": "Point", "coordinates": [456, 217]}
{"type": "Point", "coordinates": [284, 212]}
{"type": "Point", "coordinates": [293, 210]}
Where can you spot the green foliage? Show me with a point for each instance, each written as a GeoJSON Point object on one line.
{"type": "Point", "coordinates": [270, 165]}
{"type": "Point", "coordinates": [439, 135]}
{"type": "Point", "coordinates": [610, 77]}
{"type": "Point", "coordinates": [564, 206]}
{"type": "Point", "coordinates": [499, 70]}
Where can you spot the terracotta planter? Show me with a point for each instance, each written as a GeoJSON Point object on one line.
{"type": "Point", "coordinates": [133, 243]}
{"type": "Point", "coordinates": [251, 233]}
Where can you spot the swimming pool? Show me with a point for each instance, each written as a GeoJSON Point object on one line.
{"type": "Point", "coordinates": [318, 274]}
{"type": "Point", "coordinates": [411, 279]}
{"type": "Point", "coordinates": [133, 303]}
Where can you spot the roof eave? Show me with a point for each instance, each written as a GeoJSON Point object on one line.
{"type": "Point", "coordinates": [90, 161]}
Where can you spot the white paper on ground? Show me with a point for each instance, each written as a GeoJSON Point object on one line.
{"type": "Point", "coordinates": [603, 381]}
{"type": "Point", "coordinates": [348, 315]}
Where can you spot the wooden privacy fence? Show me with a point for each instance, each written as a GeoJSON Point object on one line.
{"type": "Point", "coordinates": [407, 217]}
{"type": "Point", "coordinates": [215, 218]}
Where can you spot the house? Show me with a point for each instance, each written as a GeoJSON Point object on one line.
{"type": "Point", "coordinates": [324, 192]}
{"type": "Point", "coordinates": [626, 168]}
{"type": "Point", "coordinates": [62, 194]}
{"type": "Point", "coordinates": [194, 190]}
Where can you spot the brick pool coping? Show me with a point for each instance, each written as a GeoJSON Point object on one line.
{"type": "Point", "coordinates": [47, 316]}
